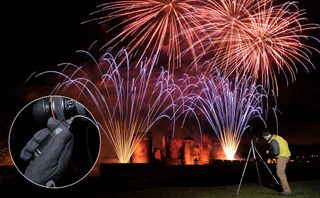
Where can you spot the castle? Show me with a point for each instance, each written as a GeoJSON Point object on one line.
{"type": "Point", "coordinates": [185, 151]}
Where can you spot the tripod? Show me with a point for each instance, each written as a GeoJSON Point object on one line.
{"type": "Point", "coordinates": [255, 151]}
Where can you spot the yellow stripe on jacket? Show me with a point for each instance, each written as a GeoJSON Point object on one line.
{"type": "Point", "coordinates": [283, 146]}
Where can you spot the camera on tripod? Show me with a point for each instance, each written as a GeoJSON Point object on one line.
{"type": "Point", "coordinates": [255, 153]}
{"type": "Point", "coordinates": [254, 139]}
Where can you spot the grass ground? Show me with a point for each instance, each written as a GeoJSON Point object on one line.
{"type": "Point", "coordinates": [13, 185]}
{"type": "Point", "coordinates": [309, 189]}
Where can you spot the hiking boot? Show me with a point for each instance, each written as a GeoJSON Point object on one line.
{"type": "Point", "coordinates": [285, 193]}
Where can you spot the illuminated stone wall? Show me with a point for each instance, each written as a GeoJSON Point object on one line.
{"type": "Point", "coordinates": [143, 151]}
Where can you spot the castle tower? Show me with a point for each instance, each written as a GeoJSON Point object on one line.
{"type": "Point", "coordinates": [143, 150]}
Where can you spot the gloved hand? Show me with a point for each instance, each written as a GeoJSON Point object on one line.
{"type": "Point", "coordinates": [55, 156]}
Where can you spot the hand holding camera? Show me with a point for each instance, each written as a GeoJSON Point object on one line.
{"type": "Point", "coordinates": [54, 141]}
{"type": "Point", "coordinates": [48, 161]}
{"type": "Point", "coordinates": [49, 150]}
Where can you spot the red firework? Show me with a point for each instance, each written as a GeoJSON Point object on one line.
{"type": "Point", "coordinates": [257, 38]}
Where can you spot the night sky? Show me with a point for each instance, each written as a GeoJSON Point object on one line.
{"type": "Point", "coordinates": [38, 36]}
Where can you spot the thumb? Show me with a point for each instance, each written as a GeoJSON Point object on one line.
{"type": "Point", "coordinates": [28, 150]}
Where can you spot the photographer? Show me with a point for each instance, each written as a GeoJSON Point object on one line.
{"type": "Point", "coordinates": [279, 147]}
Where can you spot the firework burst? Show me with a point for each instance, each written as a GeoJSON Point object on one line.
{"type": "Point", "coordinates": [224, 22]}
{"type": "Point", "coordinates": [274, 44]}
{"type": "Point", "coordinates": [257, 38]}
{"type": "Point", "coordinates": [229, 106]}
{"type": "Point", "coordinates": [125, 101]}
{"type": "Point", "coordinates": [151, 27]}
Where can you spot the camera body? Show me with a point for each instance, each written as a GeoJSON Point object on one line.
{"type": "Point", "coordinates": [255, 138]}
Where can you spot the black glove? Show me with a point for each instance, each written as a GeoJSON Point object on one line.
{"type": "Point", "coordinates": [54, 158]}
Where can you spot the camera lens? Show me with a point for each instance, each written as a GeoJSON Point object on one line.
{"type": "Point", "coordinates": [58, 107]}
{"type": "Point", "coordinates": [41, 111]}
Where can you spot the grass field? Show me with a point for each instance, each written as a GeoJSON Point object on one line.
{"type": "Point", "coordinates": [309, 189]}
{"type": "Point", "coordinates": [13, 185]}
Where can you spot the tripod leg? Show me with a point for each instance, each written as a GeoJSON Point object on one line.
{"type": "Point", "coordinates": [267, 167]}
{"type": "Point", "coordinates": [256, 163]}
{"type": "Point", "coordinates": [244, 170]}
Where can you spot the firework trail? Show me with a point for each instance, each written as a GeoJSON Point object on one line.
{"type": "Point", "coordinates": [229, 106]}
{"type": "Point", "coordinates": [126, 102]}
{"type": "Point", "coordinates": [186, 90]}
{"type": "Point", "coordinates": [151, 26]}
{"type": "Point", "coordinates": [257, 38]}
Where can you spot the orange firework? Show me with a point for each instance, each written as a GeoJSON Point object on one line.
{"type": "Point", "coordinates": [150, 27]}
{"type": "Point", "coordinates": [225, 23]}
{"type": "Point", "coordinates": [258, 38]}
{"type": "Point", "coordinates": [273, 44]}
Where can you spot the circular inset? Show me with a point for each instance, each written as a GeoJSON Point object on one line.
{"type": "Point", "coordinates": [54, 141]}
